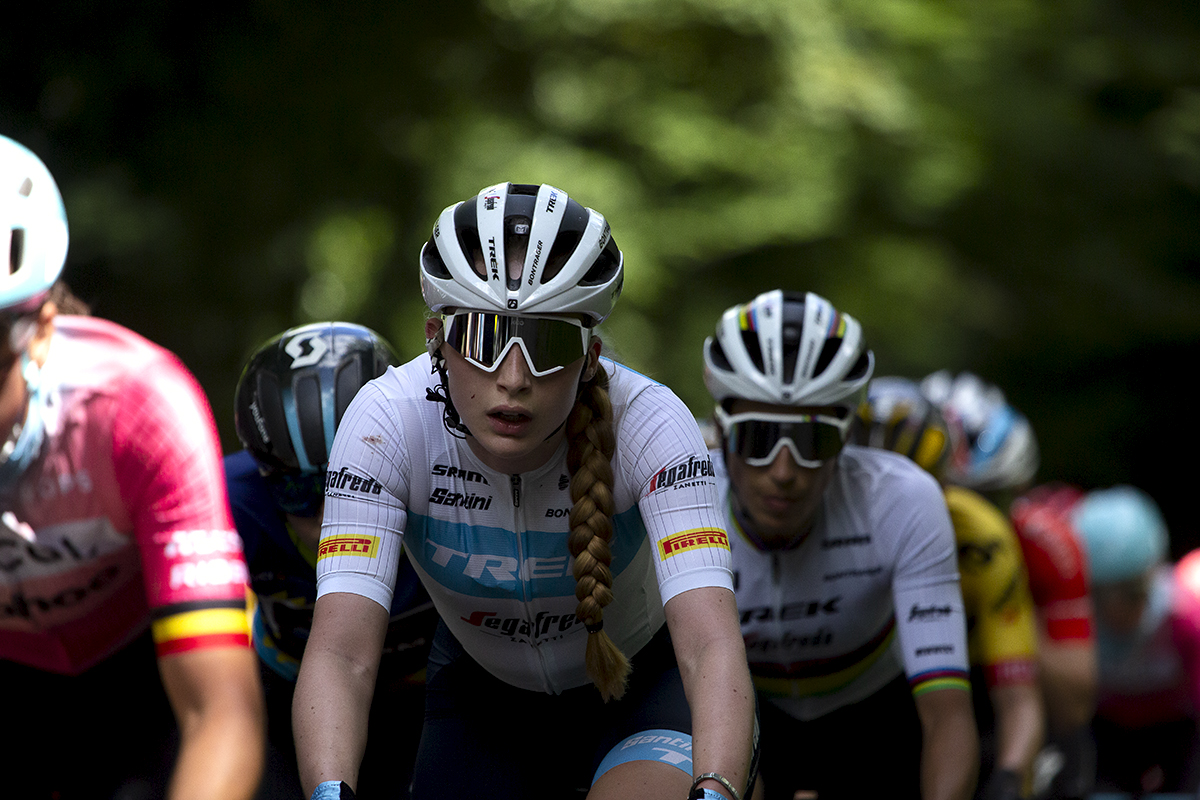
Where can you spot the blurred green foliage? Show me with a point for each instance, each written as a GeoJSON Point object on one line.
{"type": "Point", "coordinates": [1004, 186]}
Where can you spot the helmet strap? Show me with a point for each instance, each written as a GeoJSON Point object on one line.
{"type": "Point", "coordinates": [450, 418]}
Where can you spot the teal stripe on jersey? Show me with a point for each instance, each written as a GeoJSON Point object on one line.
{"type": "Point", "coordinates": [484, 561]}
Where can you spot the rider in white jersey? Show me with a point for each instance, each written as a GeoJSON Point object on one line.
{"type": "Point", "coordinates": [867, 596]}
{"type": "Point", "coordinates": [844, 566]}
{"type": "Point", "coordinates": [489, 545]}
{"type": "Point", "coordinates": [562, 513]}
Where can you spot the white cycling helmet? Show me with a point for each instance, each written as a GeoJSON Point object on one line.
{"type": "Point", "coordinates": [1124, 533]}
{"type": "Point", "coordinates": [992, 445]}
{"type": "Point", "coordinates": [788, 349]}
{"type": "Point", "coordinates": [570, 263]}
{"type": "Point", "coordinates": [33, 228]}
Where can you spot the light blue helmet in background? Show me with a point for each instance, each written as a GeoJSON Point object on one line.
{"type": "Point", "coordinates": [33, 228]}
{"type": "Point", "coordinates": [1123, 531]}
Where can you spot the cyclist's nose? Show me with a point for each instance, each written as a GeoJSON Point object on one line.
{"type": "Point", "coordinates": [514, 373]}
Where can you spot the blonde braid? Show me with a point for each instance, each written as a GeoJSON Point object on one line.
{"type": "Point", "coordinates": [590, 447]}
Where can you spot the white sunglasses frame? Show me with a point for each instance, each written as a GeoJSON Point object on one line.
{"type": "Point", "coordinates": [516, 341]}
{"type": "Point", "coordinates": [725, 421]}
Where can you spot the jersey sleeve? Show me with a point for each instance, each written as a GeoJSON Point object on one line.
{"type": "Point", "coordinates": [1002, 632]}
{"type": "Point", "coordinates": [1055, 561]}
{"type": "Point", "coordinates": [662, 447]}
{"type": "Point", "coordinates": [925, 588]}
{"type": "Point", "coordinates": [366, 493]}
{"type": "Point", "coordinates": [167, 463]}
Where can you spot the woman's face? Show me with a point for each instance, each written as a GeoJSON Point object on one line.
{"type": "Point", "coordinates": [517, 420]}
{"type": "Point", "coordinates": [13, 394]}
{"type": "Point", "coordinates": [780, 499]}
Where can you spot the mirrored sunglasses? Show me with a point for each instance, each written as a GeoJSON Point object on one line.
{"type": "Point", "coordinates": [757, 438]}
{"type": "Point", "coordinates": [548, 343]}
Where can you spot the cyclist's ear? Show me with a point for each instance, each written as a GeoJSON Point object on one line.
{"type": "Point", "coordinates": [39, 347]}
{"type": "Point", "coordinates": [593, 359]}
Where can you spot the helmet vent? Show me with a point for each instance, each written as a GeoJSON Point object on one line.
{"type": "Point", "coordinates": [16, 250]}
{"type": "Point", "coordinates": [307, 392]}
{"type": "Point", "coordinates": [605, 267]}
{"type": "Point", "coordinates": [860, 367]}
{"type": "Point", "coordinates": [719, 359]}
{"type": "Point", "coordinates": [750, 342]}
{"type": "Point", "coordinates": [828, 351]}
{"type": "Point", "coordinates": [271, 406]}
{"type": "Point", "coordinates": [433, 263]}
{"type": "Point", "coordinates": [347, 382]}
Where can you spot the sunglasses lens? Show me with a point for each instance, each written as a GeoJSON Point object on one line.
{"type": "Point", "coordinates": [484, 340]}
{"type": "Point", "coordinates": [756, 439]}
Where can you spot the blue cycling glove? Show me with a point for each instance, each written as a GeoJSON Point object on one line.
{"type": "Point", "coordinates": [333, 790]}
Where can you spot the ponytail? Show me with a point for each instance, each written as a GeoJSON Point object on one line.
{"type": "Point", "coordinates": [590, 446]}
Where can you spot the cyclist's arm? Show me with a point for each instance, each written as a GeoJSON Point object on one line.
{"type": "Point", "coordinates": [931, 622]}
{"type": "Point", "coordinates": [167, 462]}
{"type": "Point", "coordinates": [1019, 726]}
{"type": "Point", "coordinates": [334, 690]}
{"type": "Point", "coordinates": [217, 701]}
{"type": "Point", "coordinates": [712, 662]}
{"type": "Point", "coordinates": [1068, 674]}
{"type": "Point", "coordinates": [950, 746]}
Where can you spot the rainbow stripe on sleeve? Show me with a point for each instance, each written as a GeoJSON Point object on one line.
{"type": "Point", "coordinates": [942, 678]}
{"type": "Point", "coordinates": [198, 626]}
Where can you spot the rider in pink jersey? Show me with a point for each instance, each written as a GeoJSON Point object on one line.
{"type": "Point", "coordinates": [118, 558]}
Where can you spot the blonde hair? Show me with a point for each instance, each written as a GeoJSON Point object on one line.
{"type": "Point", "coordinates": [590, 447]}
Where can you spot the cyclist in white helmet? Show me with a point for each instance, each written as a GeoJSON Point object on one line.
{"type": "Point", "coordinates": [844, 566]}
{"type": "Point", "coordinates": [561, 512]}
{"type": "Point", "coordinates": [122, 581]}
{"type": "Point", "coordinates": [993, 449]}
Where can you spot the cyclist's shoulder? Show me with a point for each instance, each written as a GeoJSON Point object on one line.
{"type": "Point", "coordinates": [977, 520]}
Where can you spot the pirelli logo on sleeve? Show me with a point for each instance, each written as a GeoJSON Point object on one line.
{"type": "Point", "coordinates": [348, 546]}
{"type": "Point", "coordinates": [690, 540]}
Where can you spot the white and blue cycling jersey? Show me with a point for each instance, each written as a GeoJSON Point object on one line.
{"type": "Point", "coordinates": [491, 548]}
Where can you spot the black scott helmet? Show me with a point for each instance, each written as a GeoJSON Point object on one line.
{"type": "Point", "coordinates": [291, 397]}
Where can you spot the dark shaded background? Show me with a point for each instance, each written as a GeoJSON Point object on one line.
{"type": "Point", "coordinates": [997, 186]}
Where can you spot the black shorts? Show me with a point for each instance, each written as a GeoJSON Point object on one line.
{"type": "Point", "coordinates": [869, 749]}
{"type": "Point", "coordinates": [86, 736]}
{"type": "Point", "coordinates": [486, 738]}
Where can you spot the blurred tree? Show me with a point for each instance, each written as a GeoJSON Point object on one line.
{"type": "Point", "coordinates": [998, 185]}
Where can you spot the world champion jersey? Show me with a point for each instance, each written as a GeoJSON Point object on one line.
{"type": "Point", "coordinates": [491, 548]}
{"type": "Point", "coordinates": [283, 576]}
{"type": "Point", "coordinates": [1001, 629]}
{"type": "Point", "coordinates": [123, 519]}
{"type": "Point", "coordinates": [870, 593]}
